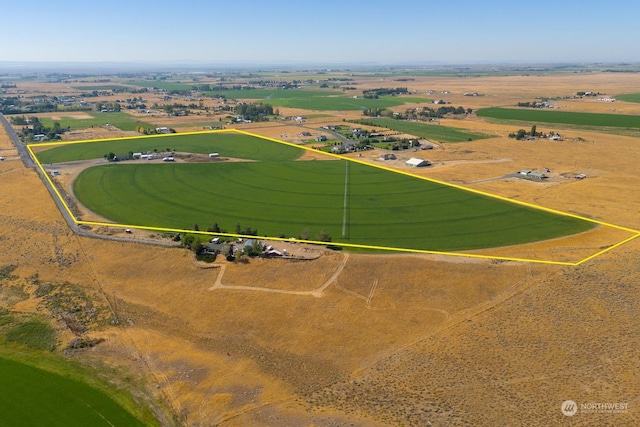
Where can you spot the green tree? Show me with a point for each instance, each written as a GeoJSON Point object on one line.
{"type": "Point", "coordinates": [533, 130]}
{"type": "Point", "coordinates": [324, 237]}
{"type": "Point", "coordinates": [304, 234]}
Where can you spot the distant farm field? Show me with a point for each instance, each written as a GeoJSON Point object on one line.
{"type": "Point", "coordinates": [103, 87]}
{"type": "Point", "coordinates": [425, 130]}
{"type": "Point", "coordinates": [30, 396]}
{"type": "Point", "coordinates": [122, 121]}
{"type": "Point", "coordinates": [280, 196]}
{"type": "Point", "coordinates": [319, 100]}
{"type": "Point", "coordinates": [562, 117]}
{"type": "Point", "coordinates": [629, 97]}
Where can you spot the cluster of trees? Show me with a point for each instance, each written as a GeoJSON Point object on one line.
{"type": "Point", "coordinates": [152, 131]}
{"type": "Point", "coordinates": [377, 112]}
{"type": "Point", "coordinates": [534, 104]}
{"type": "Point", "coordinates": [522, 134]}
{"type": "Point", "coordinates": [198, 245]}
{"type": "Point", "coordinates": [376, 93]}
{"type": "Point", "coordinates": [417, 114]}
{"type": "Point", "coordinates": [35, 127]}
{"type": "Point", "coordinates": [112, 107]}
{"type": "Point", "coordinates": [322, 236]}
{"type": "Point", "coordinates": [255, 112]}
{"type": "Point", "coordinates": [12, 105]}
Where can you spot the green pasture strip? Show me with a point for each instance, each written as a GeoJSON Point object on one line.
{"type": "Point", "coordinates": [209, 123]}
{"type": "Point", "coordinates": [102, 87]}
{"type": "Point", "coordinates": [318, 116]}
{"type": "Point", "coordinates": [319, 100]}
{"type": "Point", "coordinates": [562, 117]}
{"type": "Point", "coordinates": [160, 84]}
{"type": "Point", "coordinates": [383, 208]}
{"type": "Point", "coordinates": [269, 95]}
{"type": "Point", "coordinates": [32, 396]}
{"type": "Point", "coordinates": [628, 97]}
{"type": "Point", "coordinates": [344, 103]}
{"type": "Point", "coordinates": [226, 144]}
{"type": "Point", "coordinates": [425, 130]}
{"type": "Point", "coordinates": [122, 121]}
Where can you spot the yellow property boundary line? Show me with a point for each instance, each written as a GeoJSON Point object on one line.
{"type": "Point", "coordinates": [636, 233]}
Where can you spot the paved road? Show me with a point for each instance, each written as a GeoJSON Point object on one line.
{"type": "Point", "coordinates": [22, 149]}
{"type": "Point", "coordinates": [30, 163]}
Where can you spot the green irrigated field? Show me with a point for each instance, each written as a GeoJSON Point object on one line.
{"type": "Point", "coordinates": [319, 100]}
{"type": "Point", "coordinates": [122, 121]}
{"type": "Point", "coordinates": [103, 87]}
{"type": "Point", "coordinates": [161, 84]}
{"type": "Point", "coordinates": [227, 144]}
{"type": "Point", "coordinates": [562, 117]}
{"type": "Point", "coordinates": [629, 97]}
{"type": "Point", "coordinates": [425, 130]}
{"type": "Point", "coordinates": [33, 397]}
{"type": "Point", "coordinates": [383, 208]}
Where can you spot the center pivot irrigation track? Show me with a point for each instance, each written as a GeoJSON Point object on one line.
{"type": "Point", "coordinates": [345, 204]}
{"type": "Point", "coordinates": [370, 177]}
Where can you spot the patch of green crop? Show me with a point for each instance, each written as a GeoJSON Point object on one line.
{"type": "Point", "coordinates": [425, 130]}
{"type": "Point", "coordinates": [562, 117]}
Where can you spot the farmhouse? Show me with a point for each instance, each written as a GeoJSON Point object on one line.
{"type": "Point", "coordinates": [528, 174]}
{"type": "Point", "coordinates": [321, 138]}
{"type": "Point", "coordinates": [417, 163]}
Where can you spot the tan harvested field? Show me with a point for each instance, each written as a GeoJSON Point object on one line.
{"type": "Point", "coordinates": [374, 339]}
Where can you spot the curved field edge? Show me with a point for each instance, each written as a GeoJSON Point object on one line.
{"type": "Point", "coordinates": [37, 390]}
{"type": "Point", "coordinates": [384, 208]}
{"type": "Point", "coordinates": [562, 117]}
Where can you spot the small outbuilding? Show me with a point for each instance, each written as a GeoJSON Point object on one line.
{"type": "Point", "coordinates": [388, 157]}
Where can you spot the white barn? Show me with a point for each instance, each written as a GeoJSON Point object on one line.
{"type": "Point", "coordinates": [417, 163]}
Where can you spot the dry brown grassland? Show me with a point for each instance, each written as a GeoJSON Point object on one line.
{"type": "Point", "coordinates": [373, 339]}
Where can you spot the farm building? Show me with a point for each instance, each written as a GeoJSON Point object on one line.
{"type": "Point", "coordinates": [528, 174]}
{"type": "Point", "coordinates": [388, 157]}
{"type": "Point", "coordinates": [213, 155]}
{"type": "Point", "coordinates": [417, 163]}
{"type": "Point", "coordinates": [321, 138]}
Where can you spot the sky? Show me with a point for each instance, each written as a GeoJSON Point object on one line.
{"type": "Point", "coordinates": [320, 32]}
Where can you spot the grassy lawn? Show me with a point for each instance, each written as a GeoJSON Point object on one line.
{"type": "Point", "coordinates": [227, 144]}
{"type": "Point", "coordinates": [122, 121]}
{"type": "Point", "coordinates": [32, 396]}
{"type": "Point", "coordinates": [562, 117]}
{"type": "Point", "coordinates": [287, 197]}
{"type": "Point", "coordinates": [425, 130]}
